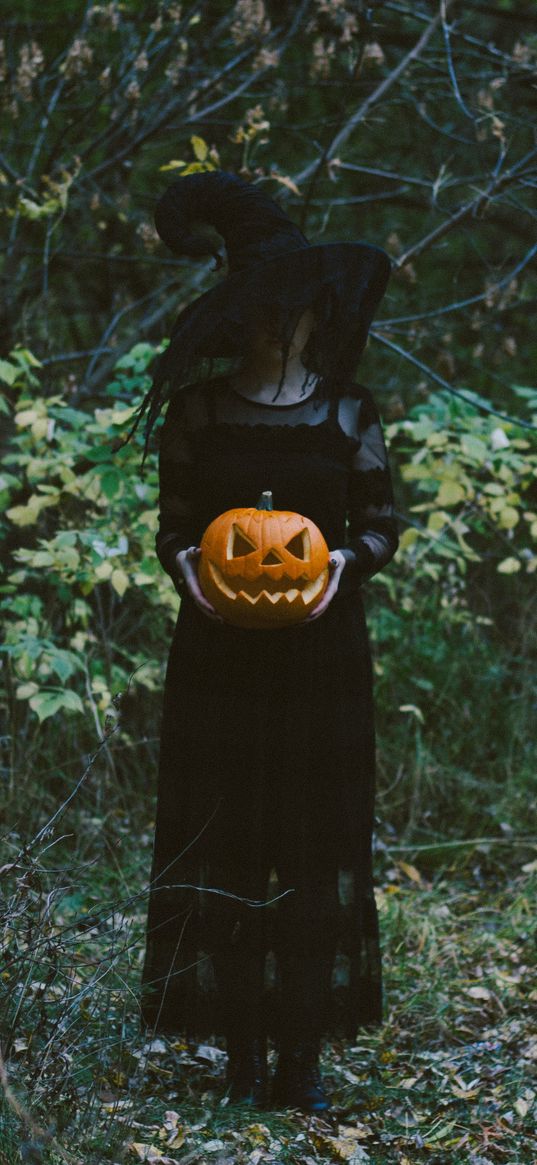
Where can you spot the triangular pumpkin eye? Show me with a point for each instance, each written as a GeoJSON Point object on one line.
{"type": "Point", "coordinates": [299, 546]}
{"type": "Point", "coordinates": [240, 544]}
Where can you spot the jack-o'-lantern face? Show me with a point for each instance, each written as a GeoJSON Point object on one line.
{"type": "Point", "coordinates": [262, 567]}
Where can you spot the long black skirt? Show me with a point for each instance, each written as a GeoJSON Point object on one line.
{"type": "Point", "coordinates": [266, 790]}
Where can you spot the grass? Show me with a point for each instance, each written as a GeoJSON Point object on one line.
{"type": "Point", "coordinates": [448, 1077]}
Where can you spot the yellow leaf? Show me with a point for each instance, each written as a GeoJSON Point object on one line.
{"type": "Point", "coordinates": [450, 493]}
{"type": "Point", "coordinates": [26, 417]}
{"type": "Point", "coordinates": [199, 147]}
{"type": "Point", "coordinates": [120, 581]}
{"type": "Point", "coordinates": [40, 428]}
{"type": "Point", "coordinates": [258, 1134]}
{"type": "Point", "coordinates": [28, 515]}
{"type": "Point", "coordinates": [508, 518]}
{"type": "Point", "coordinates": [437, 520]}
{"type": "Point", "coordinates": [197, 168]}
{"type": "Point", "coordinates": [408, 538]}
{"type": "Point", "coordinates": [509, 566]}
{"type": "Point", "coordinates": [343, 1147]}
{"type": "Point", "coordinates": [410, 871]}
{"type": "Point", "coordinates": [175, 164]}
{"type": "Point", "coordinates": [465, 1093]}
{"type": "Point", "coordinates": [103, 571]}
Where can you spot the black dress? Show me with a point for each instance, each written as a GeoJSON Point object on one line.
{"type": "Point", "coordinates": [267, 762]}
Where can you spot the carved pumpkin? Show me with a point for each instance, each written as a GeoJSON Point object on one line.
{"type": "Point", "coordinates": [261, 567]}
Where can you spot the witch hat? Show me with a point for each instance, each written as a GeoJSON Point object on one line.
{"type": "Point", "coordinates": [273, 273]}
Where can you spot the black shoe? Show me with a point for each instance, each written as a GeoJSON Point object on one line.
{"type": "Point", "coordinates": [247, 1073]}
{"type": "Point", "coordinates": [297, 1080]}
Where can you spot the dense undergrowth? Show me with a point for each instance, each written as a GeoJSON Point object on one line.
{"type": "Point", "coordinates": [88, 618]}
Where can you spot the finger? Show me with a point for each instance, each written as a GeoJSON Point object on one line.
{"type": "Point", "coordinates": [210, 612]}
{"type": "Point", "coordinates": [325, 601]}
{"type": "Point", "coordinates": [196, 593]}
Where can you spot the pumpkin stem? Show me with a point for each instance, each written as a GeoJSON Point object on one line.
{"type": "Point", "coordinates": [265, 501]}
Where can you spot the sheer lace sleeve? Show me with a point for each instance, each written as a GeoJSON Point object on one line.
{"type": "Point", "coordinates": [372, 527]}
{"type": "Point", "coordinates": [176, 528]}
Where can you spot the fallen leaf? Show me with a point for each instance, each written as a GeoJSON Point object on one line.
{"type": "Point", "coordinates": [464, 1093]}
{"type": "Point", "coordinates": [410, 871]}
{"type": "Point", "coordinates": [158, 1047]}
{"type": "Point", "coordinates": [145, 1152]}
{"type": "Point", "coordinates": [479, 993]}
{"type": "Point", "coordinates": [344, 1147]}
{"type": "Point", "coordinates": [258, 1134]}
{"type": "Point", "coordinates": [208, 1052]}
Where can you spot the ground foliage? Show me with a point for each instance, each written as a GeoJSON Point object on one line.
{"type": "Point", "coordinates": [450, 1076]}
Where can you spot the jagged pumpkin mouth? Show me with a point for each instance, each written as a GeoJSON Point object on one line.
{"type": "Point", "coordinates": [270, 588]}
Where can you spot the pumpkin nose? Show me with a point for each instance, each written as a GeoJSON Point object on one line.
{"type": "Point", "coordinates": [272, 559]}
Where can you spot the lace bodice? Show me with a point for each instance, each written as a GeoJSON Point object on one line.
{"type": "Point", "coordinates": [325, 458]}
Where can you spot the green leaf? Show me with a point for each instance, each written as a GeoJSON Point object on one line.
{"type": "Point", "coordinates": [72, 701]}
{"type": "Point", "coordinates": [8, 372]}
{"type": "Point", "coordinates": [64, 663]}
{"type": "Point", "coordinates": [475, 448]}
{"type": "Point", "coordinates": [47, 702]}
{"type": "Point", "coordinates": [199, 147]}
{"type": "Point", "coordinates": [111, 482]}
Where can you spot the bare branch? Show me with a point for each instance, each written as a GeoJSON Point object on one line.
{"type": "Point", "coordinates": [462, 303]}
{"type": "Point", "coordinates": [475, 404]}
{"type": "Point", "coordinates": [469, 209]}
{"type": "Point", "coordinates": [449, 57]}
{"type": "Point", "coordinates": [361, 113]}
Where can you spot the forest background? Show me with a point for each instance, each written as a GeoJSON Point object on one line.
{"type": "Point", "coordinates": [410, 126]}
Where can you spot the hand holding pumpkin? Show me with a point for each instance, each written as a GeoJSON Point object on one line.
{"type": "Point", "coordinates": [336, 566]}
{"type": "Point", "coordinates": [187, 562]}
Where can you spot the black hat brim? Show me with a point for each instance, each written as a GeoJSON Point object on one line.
{"type": "Point", "coordinates": [349, 279]}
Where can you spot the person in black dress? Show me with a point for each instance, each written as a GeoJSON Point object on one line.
{"type": "Point", "coordinates": [262, 916]}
